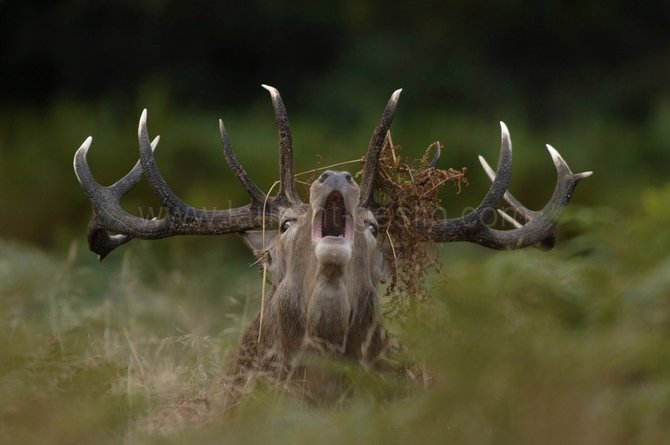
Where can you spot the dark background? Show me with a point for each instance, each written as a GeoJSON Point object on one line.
{"type": "Point", "coordinates": [591, 78]}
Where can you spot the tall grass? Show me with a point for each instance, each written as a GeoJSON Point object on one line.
{"type": "Point", "coordinates": [570, 346]}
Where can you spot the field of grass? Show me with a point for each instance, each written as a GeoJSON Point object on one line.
{"type": "Point", "coordinates": [527, 347]}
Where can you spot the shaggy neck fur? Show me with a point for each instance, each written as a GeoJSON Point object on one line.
{"type": "Point", "coordinates": [328, 308]}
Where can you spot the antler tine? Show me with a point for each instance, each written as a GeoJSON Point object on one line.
{"type": "Point", "coordinates": [158, 184]}
{"type": "Point", "coordinates": [503, 173]}
{"type": "Point", "coordinates": [436, 156]}
{"type": "Point", "coordinates": [374, 151]}
{"type": "Point", "coordinates": [238, 170]}
{"type": "Point", "coordinates": [519, 209]}
{"type": "Point", "coordinates": [566, 183]}
{"type": "Point", "coordinates": [83, 171]}
{"type": "Point", "coordinates": [538, 227]}
{"type": "Point", "coordinates": [288, 194]}
{"type": "Point", "coordinates": [125, 184]}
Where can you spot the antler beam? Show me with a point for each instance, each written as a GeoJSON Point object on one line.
{"type": "Point", "coordinates": [537, 228]}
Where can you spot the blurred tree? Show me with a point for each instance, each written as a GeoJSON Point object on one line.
{"type": "Point", "coordinates": [93, 49]}
{"type": "Point", "coordinates": [548, 55]}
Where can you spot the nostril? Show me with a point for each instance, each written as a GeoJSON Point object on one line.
{"type": "Point", "coordinates": [323, 177]}
{"type": "Point", "coordinates": [349, 178]}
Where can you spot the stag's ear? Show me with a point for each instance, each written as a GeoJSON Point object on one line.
{"type": "Point", "coordinates": [258, 241]}
{"type": "Point", "coordinates": [264, 248]}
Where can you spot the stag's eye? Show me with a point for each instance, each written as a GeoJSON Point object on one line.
{"type": "Point", "coordinates": [285, 225]}
{"type": "Point", "coordinates": [374, 230]}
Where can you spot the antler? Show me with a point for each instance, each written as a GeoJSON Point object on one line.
{"type": "Point", "coordinates": [287, 195]}
{"type": "Point", "coordinates": [111, 226]}
{"type": "Point", "coordinates": [536, 227]}
{"type": "Point", "coordinates": [371, 165]}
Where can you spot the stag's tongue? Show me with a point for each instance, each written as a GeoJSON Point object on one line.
{"type": "Point", "coordinates": [334, 219]}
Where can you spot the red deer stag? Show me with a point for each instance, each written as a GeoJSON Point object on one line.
{"type": "Point", "coordinates": [324, 257]}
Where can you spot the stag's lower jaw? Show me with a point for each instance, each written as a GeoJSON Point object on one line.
{"type": "Point", "coordinates": [333, 232]}
{"type": "Point", "coordinates": [333, 249]}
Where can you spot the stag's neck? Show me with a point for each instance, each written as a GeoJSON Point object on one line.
{"type": "Point", "coordinates": [330, 274]}
{"type": "Point", "coordinates": [328, 307]}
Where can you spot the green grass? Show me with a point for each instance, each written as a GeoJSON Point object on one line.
{"type": "Point", "coordinates": [570, 346]}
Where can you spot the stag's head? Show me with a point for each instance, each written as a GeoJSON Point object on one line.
{"type": "Point", "coordinates": [323, 255]}
{"type": "Point", "coordinates": [319, 233]}
{"type": "Point", "coordinates": [323, 234]}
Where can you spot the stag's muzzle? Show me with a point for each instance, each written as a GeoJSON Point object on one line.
{"type": "Point", "coordinates": [334, 198]}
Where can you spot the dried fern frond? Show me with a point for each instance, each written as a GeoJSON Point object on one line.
{"type": "Point", "coordinates": [407, 190]}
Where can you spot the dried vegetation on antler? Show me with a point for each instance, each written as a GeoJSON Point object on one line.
{"type": "Point", "coordinates": [408, 191]}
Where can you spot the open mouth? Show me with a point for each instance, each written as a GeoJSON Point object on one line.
{"type": "Point", "coordinates": [332, 222]}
